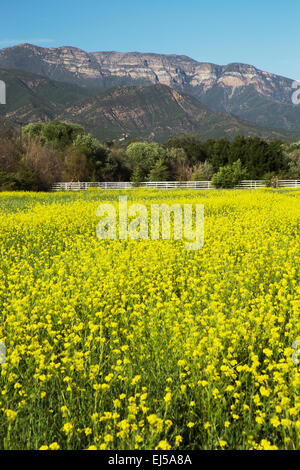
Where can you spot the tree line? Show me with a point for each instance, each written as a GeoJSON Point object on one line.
{"type": "Point", "coordinates": [44, 153]}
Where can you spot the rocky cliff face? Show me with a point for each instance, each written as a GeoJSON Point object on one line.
{"type": "Point", "coordinates": [189, 75]}
{"type": "Point", "coordinates": [236, 88]}
{"type": "Point", "coordinates": [67, 64]}
{"type": "Point", "coordinates": [112, 68]}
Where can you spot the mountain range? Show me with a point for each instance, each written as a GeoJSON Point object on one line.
{"type": "Point", "coordinates": [124, 95]}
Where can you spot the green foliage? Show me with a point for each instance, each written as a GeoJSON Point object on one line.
{"type": "Point", "coordinates": [203, 172]}
{"type": "Point", "coordinates": [258, 156]}
{"type": "Point", "coordinates": [229, 176]}
{"type": "Point", "coordinates": [116, 167]}
{"type": "Point", "coordinates": [28, 180]}
{"type": "Point", "coordinates": [96, 153]}
{"type": "Point", "coordinates": [33, 97]}
{"type": "Point", "coordinates": [25, 179]}
{"type": "Point", "coordinates": [88, 141]}
{"type": "Point", "coordinates": [292, 155]}
{"type": "Point", "coordinates": [143, 157]}
{"type": "Point", "coordinates": [293, 172]}
{"type": "Point", "coordinates": [191, 144]}
{"type": "Point", "coordinates": [159, 172]}
{"type": "Point", "coordinates": [136, 177]}
{"type": "Point", "coordinates": [57, 133]}
{"type": "Point", "coordinates": [60, 151]}
{"type": "Point", "coordinates": [8, 181]}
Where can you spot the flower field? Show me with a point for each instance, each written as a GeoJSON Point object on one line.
{"type": "Point", "coordinates": [123, 344]}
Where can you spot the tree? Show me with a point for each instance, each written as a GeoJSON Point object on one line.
{"type": "Point", "coordinates": [8, 181]}
{"type": "Point", "coordinates": [178, 164]}
{"type": "Point", "coordinates": [143, 156]}
{"type": "Point", "coordinates": [260, 157]}
{"type": "Point", "coordinates": [159, 172]}
{"type": "Point", "coordinates": [229, 176]}
{"type": "Point", "coordinates": [220, 154]}
{"type": "Point", "coordinates": [95, 152]}
{"type": "Point", "coordinates": [76, 166]}
{"type": "Point", "coordinates": [292, 156]}
{"type": "Point", "coordinates": [202, 172]}
{"type": "Point", "coordinates": [10, 153]}
{"type": "Point", "coordinates": [116, 166]}
{"type": "Point", "coordinates": [192, 146]}
{"type": "Point", "coordinates": [294, 170]}
{"type": "Point", "coordinates": [43, 161]}
{"type": "Point", "coordinates": [88, 141]}
{"type": "Point", "coordinates": [28, 180]}
{"type": "Point", "coordinates": [136, 178]}
{"type": "Point", "coordinates": [57, 133]}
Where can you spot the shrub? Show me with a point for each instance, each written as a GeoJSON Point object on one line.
{"type": "Point", "coordinates": [202, 172]}
{"type": "Point", "coordinates": [28, 180]}
{"type": "Point", "coordinates": [229, 176]}
{"type": "Point", "coordinates": [8, 181]}
{"type": "Point", "coordinates": [25, 179]}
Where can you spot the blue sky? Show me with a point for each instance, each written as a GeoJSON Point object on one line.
{"type": "Point", "coordinates": [263, 33]}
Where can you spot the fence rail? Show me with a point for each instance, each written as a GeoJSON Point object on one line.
{"type": "Point", "coordinates": [247, 184]}
{"type": "Point", "coordinates": [288, 183]}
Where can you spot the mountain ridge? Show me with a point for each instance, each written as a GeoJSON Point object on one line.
{"type": "Point", "coordinates": [241, 89]}
{"type": "Point", "coordinates": [67, 78]}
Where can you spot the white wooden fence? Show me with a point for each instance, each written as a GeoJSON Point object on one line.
{"type": "Point", "coordinates": [288, 183]}
{"type": "Point", "coordinates": [247, 184]}
{"type": "Point", "coordinates": [76, 186]}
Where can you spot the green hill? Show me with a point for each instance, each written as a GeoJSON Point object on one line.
{"type": "Point", "coordinates": [121, 113]}
{"type": "Point", "coordinates": [32, 97]}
